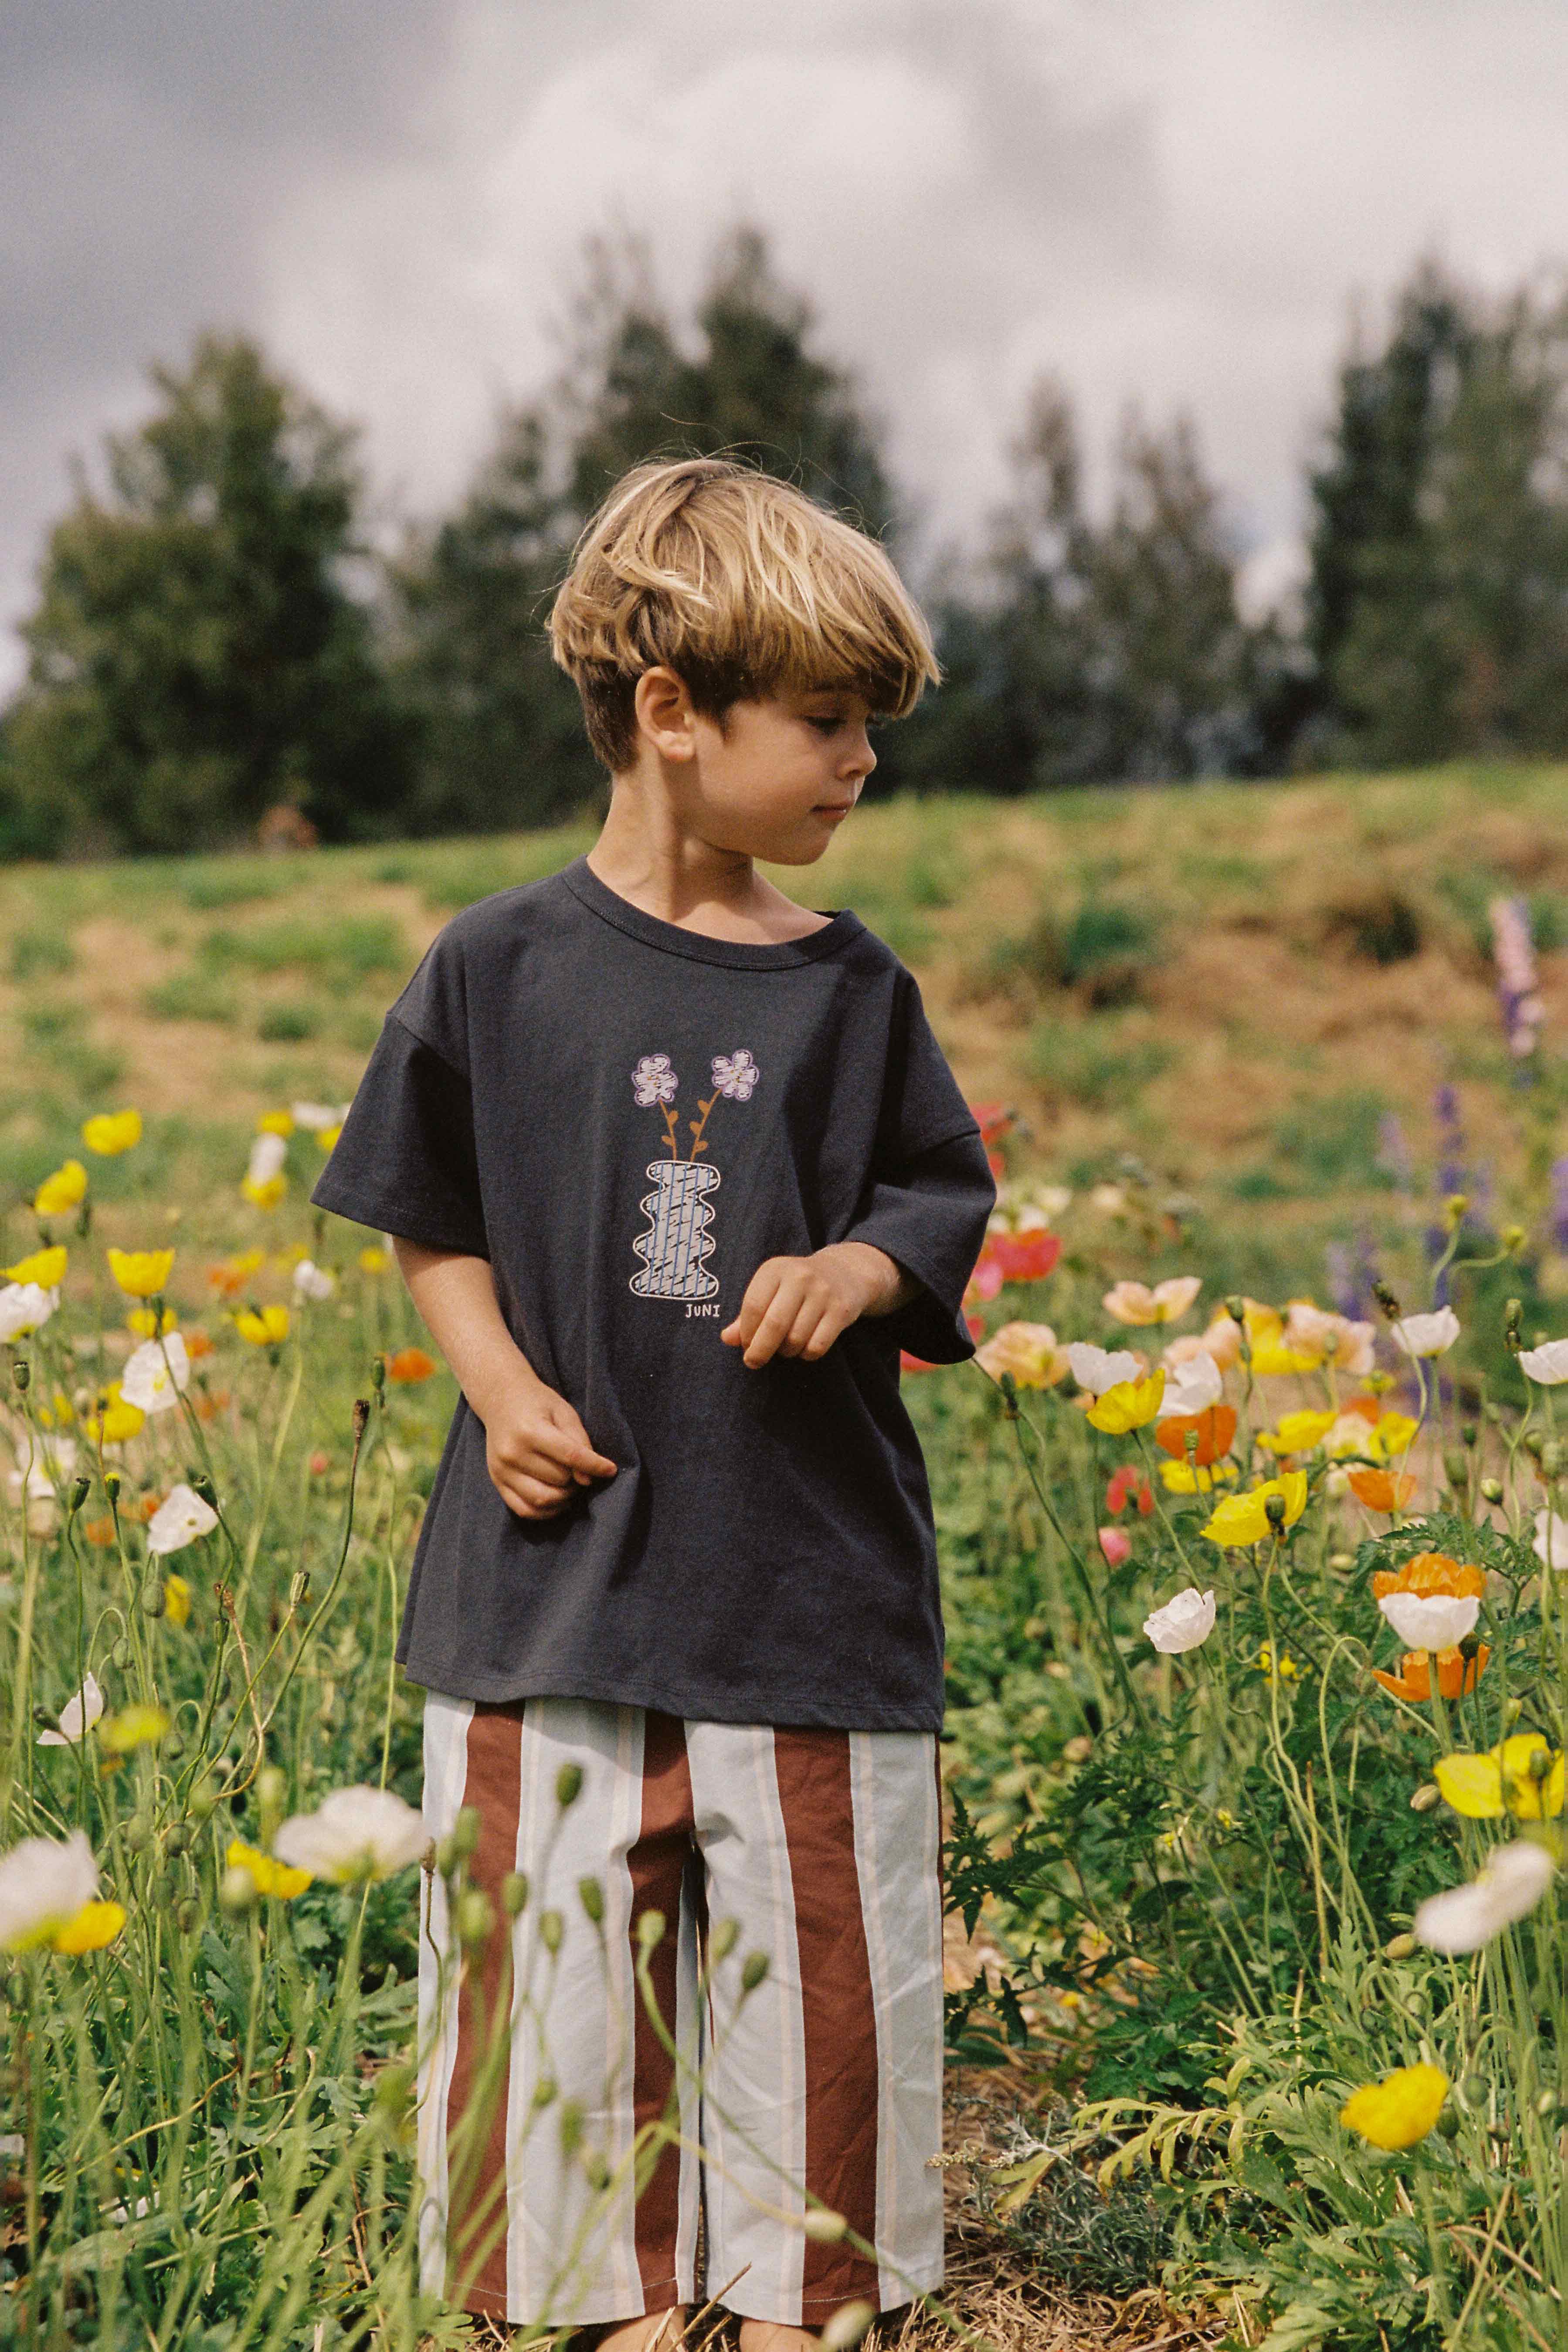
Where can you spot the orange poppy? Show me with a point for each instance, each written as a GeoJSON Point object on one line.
{"type": "Point", "coordinates": [198, 1343]}
{"type": "Point", "coordinates": [1380, 1490]}
{"type": "Point", "coordinates": [1366, 1408]}
{"type": "Point", "coordinates": [1216, 1428]}
{"type": "Point", "coordinates": [213, 1402]}
{"type": "Point", "coordinates": [410, 1364]}
{"type": "Point", "coordinates": [1455, 1673]}
{"type": "Point", "coordinates": [1429, 1572]}
{"type": "Point", "coordinates": [1027, 1256]}
{"type": "Point", "coordinates": [100, 1532]}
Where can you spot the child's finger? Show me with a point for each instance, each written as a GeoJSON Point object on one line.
{"type": "Point", "coordinates": [760, 1292]}
{"type": "Point", "coordinates": [532, 1499]}
{"type": "Point", "coordinates": [568, 1444]}
{"type": "Point", "coordinates": [775, 1326]}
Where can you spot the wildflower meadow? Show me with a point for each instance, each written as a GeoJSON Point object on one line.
{"type": "Point", "coordinates": [1254, 1531]}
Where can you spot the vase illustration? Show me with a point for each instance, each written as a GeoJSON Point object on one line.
{"type": "Point", "coordinates": [677, 1240]}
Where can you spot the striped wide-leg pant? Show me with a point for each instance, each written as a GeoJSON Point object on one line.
{"type": "Point", "coordinates": [822, 2084]}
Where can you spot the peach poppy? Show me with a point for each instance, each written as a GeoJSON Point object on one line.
{"type": "Point", "coordinates": [1455, 1673]}
{"type": "Point", "coordinates": [1381, 1490]}
{"type": "Point", "coordinates": [1429, 1572]}
{"type": "Point", "coordinates": [1216, 1428]}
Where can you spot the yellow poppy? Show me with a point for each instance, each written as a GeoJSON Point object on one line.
{"type": "Point", "coordinates": [46, 1267]}
{"type": "Point", "coordinates": [1192, 1478]}
{"type": "Point", "coordinates": [95, 1925]}
{"type": "Point", "coordinates": [264, 1327]}
{"type": "Point", "coordinates": [1298, 1433]}
{"type": "Point", "coordinates": [61, 1191]}
{"type": "Point", "coordinates": [176, 1599]}
{"type": "Point", "coordinates": [373, 1260]}
{"type": "Point", "coordinates": [270, 1876]}
{"type": "Point", "coordinates": [112, 1132]}
{"type": "Point", "coordinates": [145, 1322]}
{"type": "Point", "coordinates": [1130, 1404]}
{"type": "Point", "coordinates": [327, 1136]}
{"type": "Point", "coordinates": [1393, 1435]}
{"type": "Point", "coordinates": [263, 1192]}
{"type": "Point", "coordinates": [135, 1726]}
{"type": "Point", "coordinates": [1399, 2110]}
{"type": "Point", "coordinates": [1242, 1519]}
{"type": "Point", "coordinates": [275, 1122]}
{"type": "Point", "coordinates": [115, 1422]}
{"type": "Point", "coordinates": [1273, 1360]}
{"type": "Point", "coordinates": [141, 1273]}
{"type": "Point", "coordinates": [1524, 1776]}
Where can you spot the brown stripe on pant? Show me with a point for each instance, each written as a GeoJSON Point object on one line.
{"type": "Point", "coordinates": [838, 2015]}
{"type": "Point", "coordinates": [657, 1864]}
{"type": "Point", "coordinates": [492, 1784]}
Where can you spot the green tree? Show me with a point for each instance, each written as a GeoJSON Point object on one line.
{"type": "Point", "coordinates": [1437, 608]}
{"type": "Point", "coordinates": [501, 732]}
{"type": "Point", "coordinates": [196, 654]}
{"type": "Point", "coordinates": [1094, 650]}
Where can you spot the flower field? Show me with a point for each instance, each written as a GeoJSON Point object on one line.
{"type": "Point", "coordinates": [1252, 1522]}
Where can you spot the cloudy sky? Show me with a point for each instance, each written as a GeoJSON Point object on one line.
{"type": "Point", "coordinates": [1177, 201]}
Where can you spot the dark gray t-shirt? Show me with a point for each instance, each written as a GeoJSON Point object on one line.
{"type": "Point", "coordinates": [626, 1118]}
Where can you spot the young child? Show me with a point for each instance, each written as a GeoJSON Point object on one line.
{"type": "Point", "coordinates": [676, 1167]}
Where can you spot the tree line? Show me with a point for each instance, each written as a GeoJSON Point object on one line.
{"type": "Point", "coordinates": [215, 635]}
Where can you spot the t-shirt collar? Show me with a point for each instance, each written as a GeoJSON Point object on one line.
{"type": "Point", "coordinates": [740, 955]}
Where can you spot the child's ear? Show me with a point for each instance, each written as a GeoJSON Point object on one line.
{"type": "Point", "coordinates": [664, 713]}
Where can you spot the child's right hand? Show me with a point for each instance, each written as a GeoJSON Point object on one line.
{"type": "Point", "coordinates": [538, 1452]}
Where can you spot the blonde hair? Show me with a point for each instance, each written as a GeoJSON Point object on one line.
{"type": "Point", "coordinates": [739, 584]}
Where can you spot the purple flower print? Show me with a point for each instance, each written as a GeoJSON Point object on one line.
{"type": "Point", "coordinates": [735, 1074]}
{"type": "Point", "coordinates": [653, 1080]}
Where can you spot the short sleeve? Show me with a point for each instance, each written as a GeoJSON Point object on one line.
{"type": "Point", "coordinates": [931, 1191]}
{"type": "Point", "coordinates": [405, 1160]}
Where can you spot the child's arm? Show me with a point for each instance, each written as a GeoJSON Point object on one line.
{"type": "Point", "coordinates": [536, 1447]}
{"type": "Point", "coordinates": [798, 1306]}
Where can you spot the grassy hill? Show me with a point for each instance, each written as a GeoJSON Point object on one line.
{"type": "Point", "coordinates": [1236, 984]}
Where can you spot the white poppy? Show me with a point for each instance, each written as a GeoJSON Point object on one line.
{"type": "Point", "coordinates": [1195, 1385]}
{"type": "Point", "coordinates": [1099, 1369]}
{"type": "Point", "coordinates": [1182, 1623]}
{"type": "Point", "coordinates": [312, 1281]}
{"type": "Point", "coordinates": [179, 1519]}
{"type": "Point", "coordinates": [1551, 1545]}
{"type": "Point", "coordinates": [1428, 1335]}
{"type": "Point", "coordinates": [24, 1306]}
{"type": "Point", "coordinates": [1549, 1365]}
{"type": "Point", "coordinates": [357, 1834]}
{"type": "Point", "coordinates": [43, 1885]}
{"type": "Point", "coordinates": [267, 1154]}
{"type": "Point", "coordinates": [77, 1715]}
{"type": "Point", "coordinates": [314, 1115]}
{"type": "Point", "coordinates": [1433, 1621]}
{"type": "Point", "coordinates": [1510, 1885]}
{"type": "Point", "coordinates": [153, 1381]}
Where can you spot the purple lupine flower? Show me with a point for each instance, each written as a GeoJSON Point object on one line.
{"type": "Point", "coordinates": [735, 1074]}
{"type": "Point", "coordinates": [653, 1080]}
{"type": "Point", "coordinates": [1518, 985]}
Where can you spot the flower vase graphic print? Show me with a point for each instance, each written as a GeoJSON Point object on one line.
{"type": "Point", "coordinates": [678, 1210]}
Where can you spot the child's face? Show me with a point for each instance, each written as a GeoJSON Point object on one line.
{"type": "Point", "coordinates": [781, 782]}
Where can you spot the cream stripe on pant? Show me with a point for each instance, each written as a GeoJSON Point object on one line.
{"type": "Point", "coordinates": [823, 1846]}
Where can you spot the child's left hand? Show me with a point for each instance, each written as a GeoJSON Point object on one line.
{"type": "Point", "coordinates": [798, 1306]}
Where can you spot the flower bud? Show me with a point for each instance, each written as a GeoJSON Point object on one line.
{"type": "Point", "coordinates": [596, 2166]}
{"type": "Point", "coordinates": [571, 2127]}
{"type": "Point", "coordinates": [378, 1378]}
{"type": "Point", "coordinates": [173, 1744]}
{"type": "Point", "coordinates": [202, 1803]}
{"type": "Point", "coordinates": [1551, 1457]}
{"type": "Point", "coordinates": [298, 1588]}
{"type": "Point", "coordinates": [1470, 1647]}
{"type": "Point", "coordinates": [111, 1488]}
{"type": "Point", "coordinates": [187, 1914]}
{"type": "Point", "coordinates": [753, 1969]}
{"type": "Point", "coordinates": [1546, 2104]}
{"type": "Point", "coordinates": [119, 1652]}
{"type": "Point", "coordinates": [846, 2326]}
{"type": "Point", "coordinates": [446, 1856]}
{"type": "Point", "coordinates": [568, 1785]}
{"type": "Point", "coordinates": [1456, 1469]}
{"type": "Point", "coordinates": [154, 1600]}
{"type": "Point", "coordinates": [1469, 1434]}
{"type": "Point", "coordinates": [650, 1930]}
{"type": "Point", "coordinates": [825, 2226]}
{"type": "Point", "coordinates": [236, 1891]}
{"type": "Point", "coordinates": [1473, 2091]}
{"type": "Point", "coordinates": [1447, 2123]}
{"type": "Point", "coordinates": [1454, 1210]}
{"type": "Point", "coordinates": [1388, 1300]}
{"type": "Point", "coordinates": [466, 1832]}
{"type": "Point", "coordinates": [1274, 1511]}
{"type": "Point", "coordinates": [543, 2090]}
{"type": "Point", "coordinates": [1427, 1795]}
{"type": "Point", "coordinates": [81, 1489]}
{"type": "Point", "coordinates": [475, 1916]}
{"type": "Point", "coordinates": [591, 1895]}
{"type": "Point", "coordinates": [178, 1835]}
{"type": "Point", "coordinates": [1399, 1948]}
{"type": "Point", "coordinates": [723, 1939]}
{"type": "Point", "coordinates": [1513, 1238]}
{"type": "Point", "coordinates": [1540, 1765]}
{"type": "Point", "coordinates": [1235, 1308]}
{"type": "Point", "coordinates": [514, 1894]}
{"type": "Point", "coordinates": [1534, 1444]}
{"type": "Point", "coordinates": [551, 1927]}
{"type": "Point", "coordinates": [273, 1800]}
{"type": "Point", "coordinates": [361, 1417]}
{"type": "Point", "coordinates": [1491, 1490]}
{"type": "Point", "coordinates": [137, 1833]}
{"type": "Point", "coordinates": [22, 1372]}
{"type": "Point", "coordinates": [202, 1484]}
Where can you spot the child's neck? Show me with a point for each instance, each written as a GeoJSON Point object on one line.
{"type": "Point", "coordinates": [669, 873]}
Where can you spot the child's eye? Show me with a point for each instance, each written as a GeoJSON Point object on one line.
{"type": "Point", "coordinates": [825, 726]}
